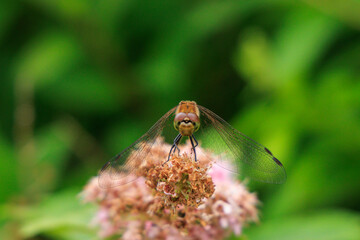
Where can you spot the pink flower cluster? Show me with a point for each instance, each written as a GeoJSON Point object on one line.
{"type": "Point", "coordinates": [135, 210]}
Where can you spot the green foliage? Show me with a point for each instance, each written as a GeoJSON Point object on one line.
{"type": "Point", "coordinates": [7, 170]}
{"type": "Point", "coordinates": [82, 80]}
{"type": "Point", "coordinates": [321, 225]}
{"type": "Point", "coordinates": [60, 216]}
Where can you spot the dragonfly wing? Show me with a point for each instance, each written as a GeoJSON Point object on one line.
{"type": "Point", "coordinates": [122, 168]}
{"type": "Point", "coordinates": [250, 158]}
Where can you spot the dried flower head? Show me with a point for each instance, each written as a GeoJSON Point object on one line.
{"type": "Point", "coordinates": [181, 199]}
{"type": "Point", "coordinates": [181, 182]}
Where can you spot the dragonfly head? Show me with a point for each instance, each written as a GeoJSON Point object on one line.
{"type": "Point", "coordinates": [187, 119]}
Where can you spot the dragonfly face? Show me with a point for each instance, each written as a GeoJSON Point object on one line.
{"type": "Point", "coordinates": [187, 118]}
{"type": "Point", "coordinates": [248, 157]}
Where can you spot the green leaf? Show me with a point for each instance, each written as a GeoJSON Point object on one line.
{"type": "Point", "coordinates": [61, 215]}
{"type": "Point", "coordinates": [303, 38]}
{"type": "Point", "coordinates": [327, 225]}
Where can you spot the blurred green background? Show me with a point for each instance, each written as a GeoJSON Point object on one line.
{"type": "Point", "coordinates": [81, 80]}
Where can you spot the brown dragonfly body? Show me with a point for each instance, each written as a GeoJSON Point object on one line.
{"type": "Point", "coordinates": [187, 118]}
{"type": "Point", "coordinates": [186, 122]}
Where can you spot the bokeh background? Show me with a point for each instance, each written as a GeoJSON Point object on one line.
{"type": "Point", "coordinates": [81, 80]}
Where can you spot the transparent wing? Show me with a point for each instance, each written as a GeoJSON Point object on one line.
{"type": "Point", "coordinates": [122, 168]}
{"type": "Point", "coordinates": [250, 158]}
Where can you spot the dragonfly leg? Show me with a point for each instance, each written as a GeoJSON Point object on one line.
{"type": "Point", "coordinates": [195, 141]}
{"type": "Point", "coordinates": [176, 142]}
{"type": "Point", "coordinates": [192, 140]}
{"type": "Point", "coordinates": [174, 147]}
{"type": "Point", "coordinates": [171, 149]}
{"type": "Point", "coordinates": [177, 149]}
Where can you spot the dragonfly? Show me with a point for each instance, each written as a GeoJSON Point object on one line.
{"type": "Point", "coordinates": [248, 158]}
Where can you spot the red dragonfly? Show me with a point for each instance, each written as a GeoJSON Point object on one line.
{"type": "Point", "coordinates": [250, 158]}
